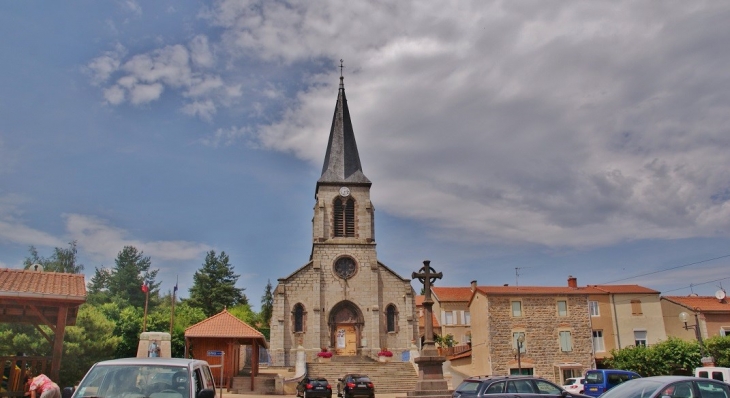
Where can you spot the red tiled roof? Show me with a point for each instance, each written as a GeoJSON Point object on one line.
{"type": "Point", "coordinates": [524, 290]}
{"type": "Point", "coordinates": [223, 324]}
{"type": "Point", "coordinates": [701, 303]}
{"type": "Point", "coordinates": [18, 283]}
{"type": "Point", "coordinates": [624, 289]}
{"type": "Point", "coordinates": [452, 293]}
{"type": "Point", "coordinates": [419, 300]}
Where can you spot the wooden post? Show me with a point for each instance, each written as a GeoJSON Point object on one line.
{"type": "Point", "coordinates": [58, 342]}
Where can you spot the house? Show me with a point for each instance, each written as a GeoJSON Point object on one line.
{"type": "Point", "coordinates": [623, 316]}
{"type": "Point", "coordinates": [451, 306]}
{"type": "Point", "coordinates": [421, 321]}
{"type": "Point", "coordinates": [544, 331]}
{"type": "Point", "coordinates": [712, 314]}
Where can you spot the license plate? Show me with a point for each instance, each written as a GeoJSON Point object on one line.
{"type": "Point", "coordinates": [361, 385]}
{"type": "Point", "coordinates": [593, 389]}
{"type": "Point", "coordinates": [319, 388]}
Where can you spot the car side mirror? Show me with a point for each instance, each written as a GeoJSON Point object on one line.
{"type": "Point", "coordinates": [206, 393]}
{"type": "Point", "coordinates": [67, 392]}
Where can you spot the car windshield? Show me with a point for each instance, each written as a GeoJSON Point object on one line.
{"type": "Point", "coordinates": [569, 382]}
{"type": "Point", "coordinates": [130, 381]}
{"type": "Point", "coordinates": [318, 382]}
{"type": "Point", "coordinates": [594, 378]}
{"type": "Point", "coordinates": [468, 386]}
{"type": "Point", "coordinates": [636, 388]}
{"type": "Point", "coordinates": [361, 379]}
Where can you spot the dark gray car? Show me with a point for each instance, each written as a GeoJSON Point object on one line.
{"type": "Point", "coordinates": [510, 387]}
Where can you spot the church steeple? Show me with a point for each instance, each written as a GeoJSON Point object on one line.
{"type": "Point", "coordinates": [342, 161]}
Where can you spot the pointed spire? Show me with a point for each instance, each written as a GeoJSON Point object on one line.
{"type": "Point", "coordinates": [342, 161]}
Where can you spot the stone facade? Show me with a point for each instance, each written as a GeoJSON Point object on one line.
{"type": "Point", "coordinates": [342, 298]}
{"type": "Point", "coordinates": [494, 326]}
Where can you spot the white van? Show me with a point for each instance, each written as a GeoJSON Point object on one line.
{"type": "Point", "coordinates": [713, 372]}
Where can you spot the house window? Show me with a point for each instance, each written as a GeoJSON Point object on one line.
{"type": "Point", "coordinates": [640, 338]}
{"type": "Point", "coordinates": [344, 218]}
{"type": "Point", "coordinates": [298, 318]}
{"type": "Point", "coordinates": [566, 343]}
{"type": "Point", "coordinates": [636, 307]}
{"type": "Point", "coordinates": [562, 308]}
{"type": "Point", "coordinates": [517, 343]}
{"type": "Point", "coordinates": [467, 318]}
{"type": "Point", "coordinates": [517, 308]}
{"type": "Point", "coordinates": [725, 331]}
{"type": "Point", "coordinates": [598, 341]}
{"type": "Point", "coordinates": [390, 314]}
{"type": "Point", "coordinates": [448, 317]}
{"type": "Point", "coordinates": [593, 305]}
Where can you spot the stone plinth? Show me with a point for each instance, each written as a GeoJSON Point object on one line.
{"type": "Point", "coordinates": [431, 383]}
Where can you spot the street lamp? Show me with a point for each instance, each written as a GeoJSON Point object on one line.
{"type": "Point", "coordinates": [520, 340]}
{"type": "Point", "coordinates": [683, 317]}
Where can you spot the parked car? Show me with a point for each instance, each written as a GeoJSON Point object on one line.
{"type": "Point", "coordinates": [355, 385]}
{"type": "Point", "coordinates": [599, 381]}
{"type": "Point", "coordinates": [146, 377]}
{"type": "Point", "coordinates": [575, 384]}
{"type": "Point", "coordinates": [670, 386]}
{"type": "Point", "coordinates": [713, 372]}
{"type": "Point", "coordinates": [510, 386]}
{"type": "Point", "coordinates": [310, 387]}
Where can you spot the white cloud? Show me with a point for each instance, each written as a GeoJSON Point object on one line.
{"type": "Point", "coordinates": [226, 136]}
{"type": "Point", "coordinates": [103, 241]}
{"type": "Point", "coordinates": [102, 67]}
{"type": "Point", "coordinates": [201, 52]}
{"type": "Point", "coordinates": [204, 109]}
{"type": "Point", "coordinates": [13, 228]}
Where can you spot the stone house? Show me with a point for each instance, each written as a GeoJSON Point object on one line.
{"type": "Point", "coordinates": [712, 315]}
{"type": "Point", "coordinates": [550, 325]}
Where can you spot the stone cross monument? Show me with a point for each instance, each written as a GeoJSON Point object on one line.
{"type": "Point", "coordinates": [431, 381]}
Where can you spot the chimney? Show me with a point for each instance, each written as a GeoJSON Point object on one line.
{"type": "Point", "coordinates": [572, 281]}
{"type": "Point", "coordinates": [473, 285]}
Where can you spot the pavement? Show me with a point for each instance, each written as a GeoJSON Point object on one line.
{"type": "Point", "coordinates": [232, 395]}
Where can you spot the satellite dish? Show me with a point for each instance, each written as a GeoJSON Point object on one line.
{"type": "Point", "coordinates": [720, 294]}
{"type": "Point", "coordinates": [36, 267]}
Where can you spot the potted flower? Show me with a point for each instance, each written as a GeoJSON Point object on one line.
{"type": "Point", "coordinates": [384, 355]}
{"type": "Point", "coordinates": [324, 355]}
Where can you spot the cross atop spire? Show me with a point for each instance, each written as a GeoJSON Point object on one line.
{"type": "Point", "coordinates": [342, 160]}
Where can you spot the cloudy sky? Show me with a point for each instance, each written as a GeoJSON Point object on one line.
{"type": "Point", "coordinates": [508, 142]}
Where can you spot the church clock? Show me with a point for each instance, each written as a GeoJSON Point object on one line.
{"type": "Point", "coordinates": [345, 267]}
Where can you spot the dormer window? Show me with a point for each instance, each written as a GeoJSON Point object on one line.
{"type": "Point", "coordinates": [344, 218]}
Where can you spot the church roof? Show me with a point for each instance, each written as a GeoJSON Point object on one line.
{"type": "Point", "coordinates": [223, 324]}
{"type": "Point", "coordinates": [342, 160]}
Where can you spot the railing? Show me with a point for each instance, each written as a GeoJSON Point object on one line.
{"type": "Point", "coordinates": [449, 351]}
{"type": "Point", "coordinates": [15, 369]}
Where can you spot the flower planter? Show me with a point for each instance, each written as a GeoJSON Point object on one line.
{"type": "Point", "coordinates": [384, 359]}
{"type": "Point", "coordinates": [323, 359]}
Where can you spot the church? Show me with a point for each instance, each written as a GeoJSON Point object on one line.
{"type": "Point", "coordinates": [343, 299]}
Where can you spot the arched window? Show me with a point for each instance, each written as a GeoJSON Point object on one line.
{"type": "Point", "coordinates": [344, 218]}
{"type": "Point", "coordinates": [298, 318]}
{"type": "Point", "coordinates": [390, 314]}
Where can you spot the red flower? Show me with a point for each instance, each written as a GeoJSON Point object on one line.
{"type": "Point", "coordinates": [324, 354]}
{"type": "Point", "coordinates": [385, 353]}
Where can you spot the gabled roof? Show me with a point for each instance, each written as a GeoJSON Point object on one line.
{"type": "Point", "coordinates": [419, 304]}
{"type": "Point", "coordinates": [24, 284]}
{"type": "Point", "coordinates": [701, 303]}
{"type": "Point", "coordinates": [624, 289]}
{"type": "Point", "coordinates": [535, 290]}
{"type": "Point", "coordinates": [223, 324]}
{"type": "Point", "coordinates": [342, 160]}
{"type": "Point", "coordinates": [452, 294]}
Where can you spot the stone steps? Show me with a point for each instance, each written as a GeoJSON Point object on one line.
{"type": "Point", "coordinates": [388, 377]}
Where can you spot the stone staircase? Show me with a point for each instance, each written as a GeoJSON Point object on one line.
{"type": "Point", "coordinates": [388, 377]}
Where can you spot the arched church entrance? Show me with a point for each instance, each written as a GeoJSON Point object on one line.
{"type": "Point", "coordinates": [346, 323]}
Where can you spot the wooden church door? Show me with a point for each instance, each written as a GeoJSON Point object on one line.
{"type": "Point", "coordinates": [345, 340]}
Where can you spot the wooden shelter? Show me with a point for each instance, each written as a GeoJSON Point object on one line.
{"type": "Point", "coordinates": [226, 333]}
{"type": "Point", "coordinates": [39, 298]}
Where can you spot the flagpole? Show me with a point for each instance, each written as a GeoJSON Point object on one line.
{"type": "Point", "coordinates": [172, 309]}
{"type": "Point", "coordinates": [146, 301]}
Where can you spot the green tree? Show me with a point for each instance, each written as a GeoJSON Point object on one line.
{"type": "Point", "coordinates": [719, 348]}
{"type": "Point", "coordinates": [97, 290]}
{"type": "Point", "coordinates": [128, 328]}
{"type": "Point", "coordinates": [92, 339]}
{"type": "Point", "coordinates": [673, 356]}
{"type": "Point", "coordinates": [267, 305]}
{"type": "Point", "coordinates": [214, 285]}
{"type": "Point", "coordinates": [244, 313]}
{"type": "Point", "coordinates": [62, 260]}
{"type": "Point", "coordinates": [130, 272]}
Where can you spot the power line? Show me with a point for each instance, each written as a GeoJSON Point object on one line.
{"type": "Point", "coordinates": [667, 269]}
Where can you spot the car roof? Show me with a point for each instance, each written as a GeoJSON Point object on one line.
{"type": "Point", "coordinates": [152, 361]}
{"type": "Point", "coordinates": [671, 379]}
{"type": "Point", "coordinates": [510, 377]}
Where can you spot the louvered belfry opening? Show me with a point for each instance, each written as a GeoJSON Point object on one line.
{"type": "Point", "coordinates": [344, 218]}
